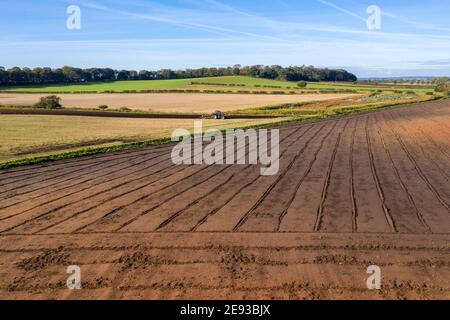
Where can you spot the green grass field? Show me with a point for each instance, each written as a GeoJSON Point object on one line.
{"type": "Point", "coordinates": [118, 86]}
{"type": "Point", "coordinates": [121, 86]}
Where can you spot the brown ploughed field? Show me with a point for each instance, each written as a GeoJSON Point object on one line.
{"type": "Point", "coordinates": [370, 189]}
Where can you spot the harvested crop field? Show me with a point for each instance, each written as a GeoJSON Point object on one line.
{"type": "Point", "coordinates": [36, 135]}
{"type": "Point", "coordinates": [169, 102]}
{"type": "Point", "coordinates": [366, 190]}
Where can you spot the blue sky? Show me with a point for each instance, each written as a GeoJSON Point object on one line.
{"type": "Point", "coordinates": [414, 39]}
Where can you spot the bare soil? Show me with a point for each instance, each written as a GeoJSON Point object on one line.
{"type": "Point", "coordinates": [169, 102]}
{"type": "Point", "coordinates": [365, 190]}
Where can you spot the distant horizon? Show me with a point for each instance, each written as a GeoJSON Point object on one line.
{"type": "Point", "coordinates": [371, 39]}
{"type": "Point", "coordinates": [375, 77]}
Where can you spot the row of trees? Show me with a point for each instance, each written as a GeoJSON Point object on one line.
{"type": "Point", "coordinates": [22, 76]}
{"type": "Point", "coordinates": [295, 73]}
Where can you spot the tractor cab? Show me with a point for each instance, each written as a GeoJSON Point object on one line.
{"type": "Point", "coordinates": [218, 115]}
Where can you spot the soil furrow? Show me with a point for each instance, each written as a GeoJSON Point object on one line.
{"type": "Point", "coordinates": [71, 175]}
{"type": "Point", "coordinates": [257, 211]}
{"type": "Point", "coordinates": [198, 215]}
{"type": "Point", "coordinates": [301, 214]}
{"type": "Point", "coordinates": [43, 197]}
{"type": "Point", "coordinates": [73, 162]}
{"type": "Point", "coordinates": [335, 211]}
{"type": "Point", "coordinates": [405, 189]}
{"type": "Point", "coordinates": [266, 215]}
{"type": "Point", "coordinates": [66, 200]}
{"type": "Point", "coordinates": [153, 217]}
{"type": "Point", "coordinates": [432, 211]}
{"type": "Point", "coordinates": [418, 169]}
{"type": "Point", "coordinates": [352, 180]}
{"type": "Point", "coordinates": [299, 184]}
{"type": "Point", "coordinates": [381, 194]}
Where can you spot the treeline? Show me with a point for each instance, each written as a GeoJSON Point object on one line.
{"type": "Point", "coordinates": [36, 76]}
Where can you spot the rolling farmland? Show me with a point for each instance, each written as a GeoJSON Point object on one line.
{"type": "Point", "coordinates": [139, 85]}
{"type": "Point", "coordinates": [351, 192]}
{"type": "Point", "coordinates": [171, 102]}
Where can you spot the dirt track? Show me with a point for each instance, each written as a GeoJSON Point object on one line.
{"type": "Point", "coordinates": [169, 102]}
{"type": "Point", "coordinates": [370, 189]}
